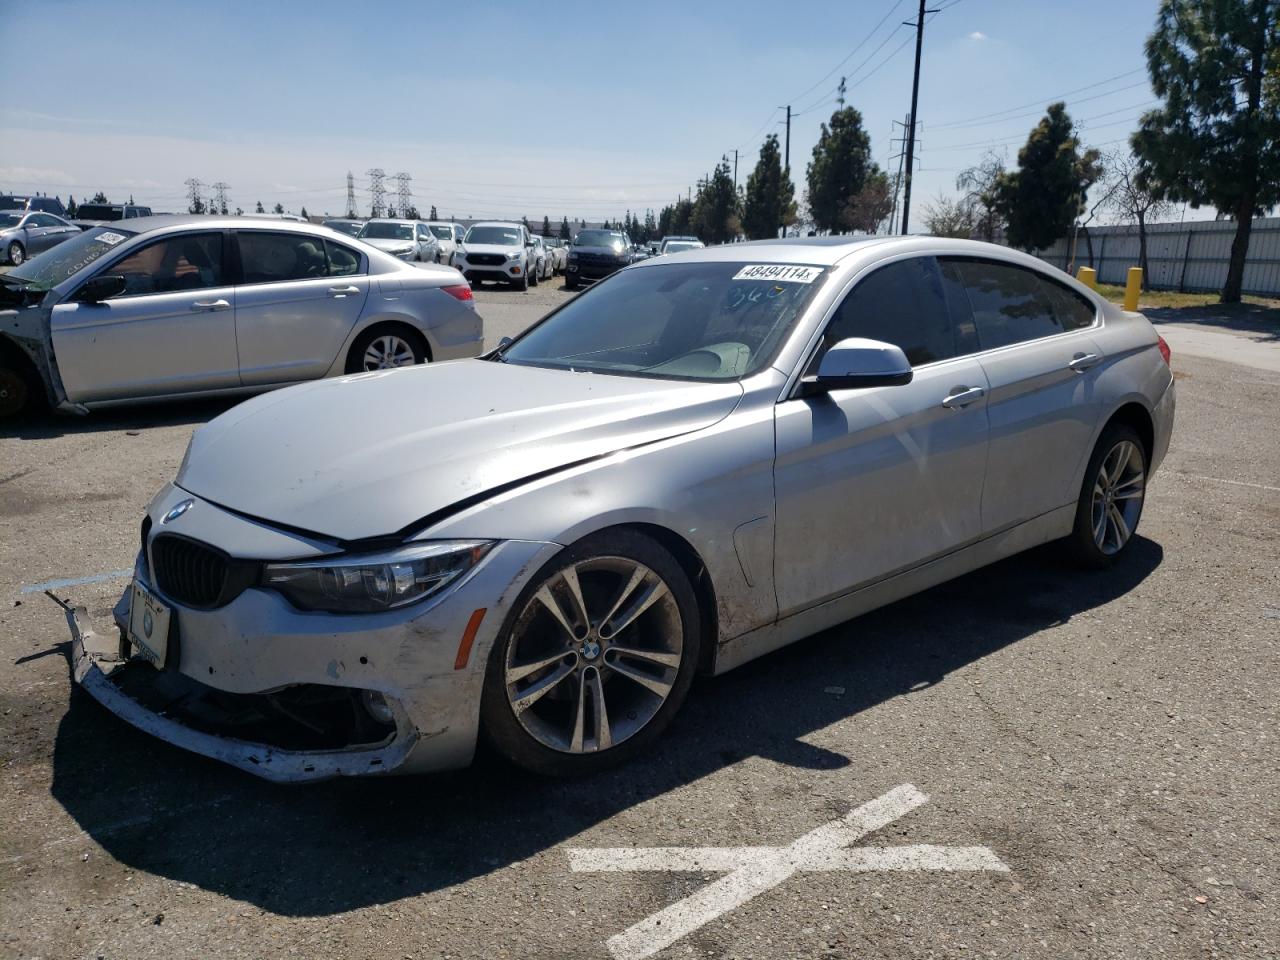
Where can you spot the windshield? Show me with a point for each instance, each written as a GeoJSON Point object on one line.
{"type": "Point", "coordinates": [598, 238]}
{"type": "Point", "coordinates": [499, 236]}
{"type": "Point", "coordinates": [70, 257]}
{"type": "Point", "coordinates": [386, 230]}
{"type": "Point", "coordinates": [99, 211]}
{"type": "Point", "coordinates": [11, 219]}
{"type": "Point", "coordinates": [444, 233]}
{"type": "Point", "coordinates": [677, 247]}
{"type": "Point", "coordinates": [687, 321]}
{"type": "Point", "coordinates": [349, 227]}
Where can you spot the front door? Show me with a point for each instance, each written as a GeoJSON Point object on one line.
{"type": "Point", "coordinates": [871, 481]}
{"type": "Point", "coordinates": [299, 298]}
{"type": "Point", "coordinates": [171, 331]}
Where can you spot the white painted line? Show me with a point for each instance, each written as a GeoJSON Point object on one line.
{"type": "Point", "coordinates": [1234, 483]}
{"type": "Point", "coordinates": [76, 581]}
{"type": "Point", "coordinates": [755, 870]}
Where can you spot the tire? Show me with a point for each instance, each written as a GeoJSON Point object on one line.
{"type": "Point", "coordinates": [385, 338]}
{"type": "Point", "coordinates": [570, 284]}
{"type": "Point", "coordinates": [523, 283]}
{"type": "Point", "coordinates": [534, 275]}
{"type": "Point", "coordinates": [17, 392]}
{"type": "Point", "coordinates": [545, 737]}
{"type": "Point", "coordinates": [16, 254]}
{"type": "Point", "coordinates": [1109, 508]}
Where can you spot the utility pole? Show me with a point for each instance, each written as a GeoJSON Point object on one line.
{"type": "Point", "coordinates": [378, 188]}
{"type": "Point", "coordinates": [351, 195]}
{"type": "Point", "coordinates": [194, 188]}
{"type": "Point", "coordinates": [735, 171]}
{"type": "Point", "coordinates": [220, 198]}
{"type": "Point", "coordinates": [786, 157]}
{"type": "Point", "coordinates": [911, 133]}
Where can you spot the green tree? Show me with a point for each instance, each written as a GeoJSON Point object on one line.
{"type": "Point", "coordinates": [239, 212]}
{"type": "Point", "coordinates": [412, 213]}
{"type": "Point", "coordinates": [259, 208]}
{"type": "Point", "coordinates": [525, 221]}
{"type": "Point", "coordinates": [278, 208]}
{"type": "Point", "coordinates": [546, 225]}
{"type": "Point", "coordinates": [565, 232]}
{"type": "Point", "coordinates": [715, 217]}
{"type": "Point", "coordinates": [303, 214]}
{"type": "Point", "coordinates": [434, 215]}
{"type": "Point", "coordinates": [1042, 198]}
{"type": "Point", "coordinates": [1216, 139]}
{"type": "Point", "coordinates": [839, 168]}
{"type": "Point", "coordinates": [650, 227]}
{"type": "Point", "coordinates": [71, 207]}
{"type": "Point", "coordinates": [99, 197]}
{"type": "Point", "coordinates": [770, 198]}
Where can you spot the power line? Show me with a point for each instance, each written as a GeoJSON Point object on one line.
{"type": "Point", "coordinates": [1040, 101]}
{"type": "Point", "coordinates": [861, 44]}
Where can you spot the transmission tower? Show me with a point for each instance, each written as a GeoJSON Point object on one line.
{"type": "Point", "coordinates": [194, 190]}
{"type": "Point", "coordinates": [351, 195]}
{"type": "Point", "coordinates": [220, 198]}
{"type": "Point", "coordinates": [402, 192]}
{"type": "Point", "coordinates": [376, 188]}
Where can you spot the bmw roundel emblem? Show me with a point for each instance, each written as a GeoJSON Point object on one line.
{"type": "Point", "coordinates": [178, 511]}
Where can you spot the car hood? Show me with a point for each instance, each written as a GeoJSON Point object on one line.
{"type": "Point", "coordinates": [388, 244]}
{"type": "Point", "coordinates": [491, 248]}
{"type": "Point", "coordinates": [369, 455]}
{"type": "Point", "coordinates": [608, 251]}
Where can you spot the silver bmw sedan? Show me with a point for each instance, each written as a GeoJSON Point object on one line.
{"type": "Point", "coordinates": [705, 457]}
{"type": "Point", "coordinates": [161, 307]}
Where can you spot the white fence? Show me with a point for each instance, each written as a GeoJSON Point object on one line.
{"type": "Point", "coordinates": [1190, 256]}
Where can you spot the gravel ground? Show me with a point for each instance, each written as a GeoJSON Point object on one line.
{"type": "Point", "coordinates": [1110, 737]}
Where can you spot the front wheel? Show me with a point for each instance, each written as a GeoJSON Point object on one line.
{"type": "Point", "coordinates": [17, 255]}
{"type": "Point", "coordinates": [522, 283]}
{"type": "Point", "coordinates": [1111, 498]}
{"type": "Point", "coordinates": [595, 659]}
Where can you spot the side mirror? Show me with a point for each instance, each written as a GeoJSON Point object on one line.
{"type": "Point", "coordinates": [101, 288]}
{"type": "Point", "coordinates": [858, 362]}
{"type": "Point", "coordinates": [504, 343]}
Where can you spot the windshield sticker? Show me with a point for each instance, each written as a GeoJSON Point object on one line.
{"type": "Point", "coordinates": [778, 273]}
{"type": "Point", "coordinates": [109, 238]}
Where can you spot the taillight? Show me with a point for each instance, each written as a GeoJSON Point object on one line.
{"type": "Point", "coordinates": [1164, 349]}
{"type": "Point", "coordinates": [462, 291]}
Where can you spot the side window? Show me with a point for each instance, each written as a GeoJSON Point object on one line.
{"type": "Point", "coordinates": [43, 220]}
{"type": "Point", "coordinates": [277, 257]}
{"type": "Point", "coordinates": [343, 261]}
{"type": "Point", "coordinates": [1073, 311]}
{"type": "Point", "coordinates": [903, 304]}
{"type": "Point", "coordinates": [189, 262]}
{"type": "Point", "coordinates": [1009, 303]}
{"type": "Point", "coordinates": [961, 312]}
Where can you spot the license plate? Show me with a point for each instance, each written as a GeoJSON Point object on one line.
{"type": "Point", "coordinates": [148, 625]}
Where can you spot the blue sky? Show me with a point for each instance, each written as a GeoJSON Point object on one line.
{"type": "Point", "coordinates": [510, 109]}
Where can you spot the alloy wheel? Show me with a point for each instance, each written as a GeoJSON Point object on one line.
{"type": "Point", "coordinates": [16, 254]}
{"type": "Point", "coordinates": [388, 351]}
{"type": "Point", "coordinates": [1118, 490]}
{"type": "Point", "coordinates": [13, 392]}
{"type": "Point", "coordinates": [594, 655]}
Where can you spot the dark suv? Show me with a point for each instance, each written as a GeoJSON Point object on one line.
{"type": "Point", "coordinates": [31, 204]}
{"type": "Point", "coordinates": [595, 254]}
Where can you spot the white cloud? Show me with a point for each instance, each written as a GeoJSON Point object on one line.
{"type": "Point", "coordinates": [977, 35]}
{"type": "Point", "coordinates": [41, 175]}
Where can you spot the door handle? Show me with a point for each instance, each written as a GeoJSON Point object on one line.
{"type": "Point", "coordinates": [1083, 361]}
{"type": "Point", "coordinates": [211, 305]}
{"type": "Point", "coordinates": [343, 291]}
{"type": "Point", "coordinates": [962, 397]}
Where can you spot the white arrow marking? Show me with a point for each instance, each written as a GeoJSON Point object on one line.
{"type": "Point", "coordinates": [753, 870]}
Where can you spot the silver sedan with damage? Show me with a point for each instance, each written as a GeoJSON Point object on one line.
{"type": "Point", "coordinates": [705, 457]}
{"type": "Point", "coordinates": [163, 307]}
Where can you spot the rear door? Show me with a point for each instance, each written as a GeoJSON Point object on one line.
{"type": "Point", "coordinates": [171, 331]}
{"type": "Point", "coordinates": [875, 480]}
{"type": "Point", "coordinates": [1042, 360]}
{"type": "Point", "coordinates": [40, 233]}
{"type": "Point", "coordinates": [297, 300]}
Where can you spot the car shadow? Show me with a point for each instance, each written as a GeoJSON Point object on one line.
{"type": "Point", "coordinates": [1240, 317]}
{"type": "Point", "coordinates": [338, 846]}
{"type": "Point", "coordinates": [47, 424]}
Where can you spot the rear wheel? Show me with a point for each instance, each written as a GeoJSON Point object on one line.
{"type": "Point", "coordinates": [17, 254]}
{"type": "Point", "coordinates": [1111, 498]}
{"type": "Point", "coordinates": [595, 659]}
{"type": "Point", "coordinates": [384, 348]}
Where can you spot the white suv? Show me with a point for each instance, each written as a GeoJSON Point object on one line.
{"type": "Point", "coordinates": [498, 251]}
{"type": "Point", "coordinates": [448, 235]}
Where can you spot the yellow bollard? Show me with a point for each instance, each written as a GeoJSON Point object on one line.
{"type": "Point", "coordinates": [1088, 276]}
{"type": "Point", "coordinates": [1132, 287]}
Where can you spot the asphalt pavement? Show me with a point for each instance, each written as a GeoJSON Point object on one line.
{"type": "Point", "coordinates": [1027, 762]}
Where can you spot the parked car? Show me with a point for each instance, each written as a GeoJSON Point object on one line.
{"type": "Point", "coordinates": [543, 260]}
{"type": "Point", "coordinates": [92, 214]}
{"type": "Point", "coordinates": [351, 228]}
{"type": "Point", "coordinates": [685, 468]}
{"type": "Point", "coordinates": [23, 234]}
{"type": "Point", "coordinates": [559, 253]}
{"type": "Point", "coordinates": [679, 244]}
{"type": "Point", "coordinates": [497, 250]}
{"type": "Point", "coordinates": [448, 235]}
{"type": "Point", "coordinates": [596, 254]}
{"type": "Point", "coordinates": [165, 307]}
{"type": "Point", "coordinates": [32, 203]}
{"type": "Point", "coordinates": [406, 239]}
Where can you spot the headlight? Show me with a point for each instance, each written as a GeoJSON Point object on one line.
{"type": "Point", "coordinates": [375, 582]}
{"type": "Point", "coordinates": [515, 256]}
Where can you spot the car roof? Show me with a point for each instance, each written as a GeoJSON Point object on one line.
{"type": "Point", "coordinates": [166, 221]}
{"type": "Point", "coordinates": [498, 223]}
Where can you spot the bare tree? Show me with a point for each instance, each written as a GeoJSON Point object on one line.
{"type": "Point", "coordinates": [869, 208]}
{"type": "Point", "coordinates": [946, 217]}
{"type": "Point", "coordinates": [1131, 202]}
{"type": "Point", "coordinates": [978, 185]}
